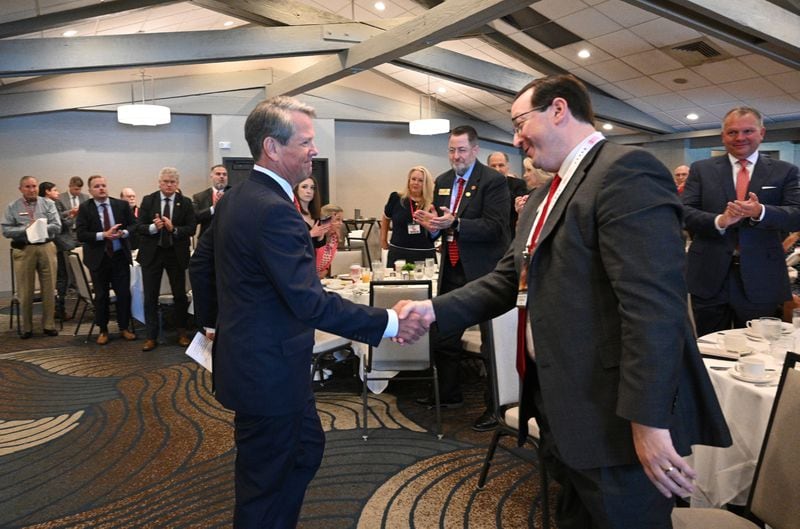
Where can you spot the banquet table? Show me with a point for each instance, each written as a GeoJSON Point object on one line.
{"type": "Point", "coordinates": [724, 475]}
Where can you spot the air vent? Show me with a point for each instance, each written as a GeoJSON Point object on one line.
{"type": "Point", "coordinates": [696, 52]}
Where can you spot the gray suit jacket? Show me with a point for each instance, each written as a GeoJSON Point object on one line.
{"type": "Point", "coordinates": [64, 198]}
{"type": "Point", "coordinates": [607, 305]}
{"type": "Point", "coordinates": [708, 190]}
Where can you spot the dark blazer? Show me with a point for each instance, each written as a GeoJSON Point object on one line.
{"type": "Point", "coordinates": [88, 223]}
{"type": "Point", "coordinates": [483, 233]}
{"type": "Point", "coordinates": [271, 300]}
{"type": "Point", "coordinates": [202, 276]}
{"type": "Point", "coordinates": [762, 262]}
{"type": "Point", "coordinates": [607, 305]}
{"type": "Point", "coordinates": [202, 203]}
{"type": "Point", "coordinates": [182, 218]}
{"type": "Point", "coordinates": [516, 188]}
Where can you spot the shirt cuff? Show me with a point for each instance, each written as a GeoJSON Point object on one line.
{"type": "Point", "coordinates": [760, 217]}
{"type": "Point", "coordinates": [392, 325]}
{"type": "Point", "coordinates": [98, 236]}
{"type": "Point", "coordinates": [716, 225]}
{"type": "Point", "coordinates": [152, 229]}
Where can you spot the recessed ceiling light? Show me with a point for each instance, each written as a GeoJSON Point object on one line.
{"type": "Point", "coordinates": [680, 80]}
{"type": "Point", "coordinates": [70, 33]}
{"type": "Point", "coordinates": [441, 90]}
{"type": "Point", "coordinates": [584, 54]}
{"type": "Point", "coordinates": [608, 126]}
{"type": "Point", "coordinates": [228, 23]}
{"type": "Point", "coordinates": [692, 116]}
{"type": "Point", "coordinates": [380, 6]}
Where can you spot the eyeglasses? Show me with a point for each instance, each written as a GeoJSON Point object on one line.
{"type": "Point", "coordinates": [518, 126]}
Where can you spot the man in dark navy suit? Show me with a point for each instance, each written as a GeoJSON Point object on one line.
{"type": "Point", "coordinates": [103, 226]}
{"type": "Point", "coordinates": [270, 301]}
{"type": "Point", "coordinates": [738, 208]}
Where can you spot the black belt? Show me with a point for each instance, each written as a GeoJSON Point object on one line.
{"type": "Point", "coordinates": [18, 245]}
{"type": "Point", "coordinates": [735, 261]}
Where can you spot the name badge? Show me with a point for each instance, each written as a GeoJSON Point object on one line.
{"type": "Point", "coordinates": [414, 229]}
{"type": "Point", "coordinates": [449, 237]}
{"type": "Point", "coordinates": [444, 192]}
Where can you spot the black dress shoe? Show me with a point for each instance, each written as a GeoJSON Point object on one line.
{"type": "Point", "coordinates": [26, 335]}
{"type": "Point", "coordinates": [486, 422]}
{"type": "Point", "coordinates": [430, 402]}
{"type": "Point", "coordinates": [51, 332]}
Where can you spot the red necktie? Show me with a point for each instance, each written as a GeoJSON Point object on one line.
{"type": "Point", "coordinates": [523, 279]}
{"type": "Point", "coordinates": [106, 227]}
{"type": "Point", "coordinates": [297, 204]}
{"type": "Point", "coordinates": [452, 248]}
{"type": "Point", "coordinates": [742, 180]}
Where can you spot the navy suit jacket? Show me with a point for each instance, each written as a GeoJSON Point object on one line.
{"type": "Point", "coordinates": [88, 223]}
{"type": "Point", "coordinates": [483, 218]}
{"type": "Point", "coordinates": [762, 261]}
{"type": "Point", "coordinates": [271, 300]}
{"type": "Point", "coordinates": [182, 216]}
{"type": "Point", "coordinates": [607, 305]}
{"type": "Point", "coordinates": [202, 203]}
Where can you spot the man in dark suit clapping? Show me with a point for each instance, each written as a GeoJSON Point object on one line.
{"type": "Point", "coordinates": [165, 225]}
{"type": "Point", "coordinates": [206, 200]}
{"type": "Point", "coordinates": [103, 226]}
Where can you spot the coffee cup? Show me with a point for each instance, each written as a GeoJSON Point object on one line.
{"type": "Point", "coordinates": [736, 343]}
{"type": "Point", "coordinates": [751, 367]}
{"type": "Point", "coordinates": [355, 272]}
{"type": "Point", "coordinates": [399, 264]}
{"type": "Point", "coordinates": [754, 326]}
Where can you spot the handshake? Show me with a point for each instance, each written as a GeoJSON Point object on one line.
{"type": "Point", "coordinates": [414, 319]}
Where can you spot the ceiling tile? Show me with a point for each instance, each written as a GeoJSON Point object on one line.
{"type": "Point", "coordinates": [623, 13]}
{"type": "Point", "coordinates": [558, 60]}
{"type": "Point", "coordinates": [554, 9]}
{"type": "Point", "coordinates": [652, 62]}
{"type": "Point", "coordinates": [613, 70]}
{"type": "Point", "coordinates": [725, 71]}
{"type": "Point", "coordinates": [763, 65]}
{"type": "Point", "coordinates": [707, 96]}
{"type": "Point", "coordinates": [589, 23]}
{"type": "Point", "coordinates": [552, 35]}
{"type": "Point", "coordinates": [529, 42]}
{"type": "Point", "coordinates": [736, 51]}
{"type": "Point", "coordinates": [588, 77]}
{"type": "Point", "coordinates": [641, 86]}
{"type": "Point", "coordinates": [662, 32]}
{"type": "Point", "coordinates": [704, 119]}
{"type": "Point", "coordinates": [621, 43]}
{"type": "Point", "coordinates": [669, 101]}
{"type": "Point", "coordinates": [615, 91]}
{"type": "Point", "coordinates": [570, 53]}
{"type": "Point", "coordinates": [752, 88]}
{"type": "Point", "coordinates": [643, 106]}
{"type": "Point", "coordinates": [686, 79]}
{"type": "Point", "coordinates": [789, 81]}
{"type": "Point", "coordinates": [784, 104]}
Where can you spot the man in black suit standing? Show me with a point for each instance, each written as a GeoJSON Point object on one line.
{"type": "Point", "coordinates": [270, 301]}
{"type": "Point", "coordinates": [472, 219]}
{"type": "Point", "coordinates": [516, 186]}
{"type": "Point", "coordinates": [205, 201]}
{"type": "Point", "coordinates": [612, 372]}
{"type": "Point", "coordinates": [166, 224]}
{"type": "Point", "coordinates": [738, 209]}
{"type": "Point", "coordinates": [104, 226]}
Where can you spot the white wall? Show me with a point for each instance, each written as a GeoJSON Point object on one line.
{"type": "Point", "coordinates": [54, 147]}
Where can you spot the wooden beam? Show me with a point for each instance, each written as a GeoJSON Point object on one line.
{"type": "Point", "coordinates": [446, 20]}
{"type": "Point", "coordinates": [66, 17]}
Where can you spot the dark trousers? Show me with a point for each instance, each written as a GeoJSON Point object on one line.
{"type": "Point", "coordinates": [276, 459]}
{"type": "Point", "coordinates": [447, 348]}
{"type": "Point", "coordinates": [164, 259]}
{"type": "Point", "coordinates": [617, 497]}
{"type": "Point", "coordinates": [113, 272]}
{"type": "Point", "coordinates": [62, 280]}
{"type": "Point", "coordinates": [730, 308]}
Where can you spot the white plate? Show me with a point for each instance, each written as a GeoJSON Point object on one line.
{"type": "Point", "coordinates": [335, 285]}
{"type": "Point", "coordinates": [786, 328]}
{"type": "Point", "coordinates": [769, 376]}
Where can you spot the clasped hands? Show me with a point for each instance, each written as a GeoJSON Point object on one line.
{"type": "Point", "coordinates": [163, 222]}
{"type": "Point", "coordinates": [414, 318]}
{"type": "Point", "coordinates": [113, 232]}
{"type": "Point", "coordinates": [740, 209]}
{"type": "Point", "coordinates": [431, 221]}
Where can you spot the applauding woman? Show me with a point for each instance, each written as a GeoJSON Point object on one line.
{"type": "Point", "coordinates": [410, 240]}
{"type": "Point", "coordinates": [332, 218]}
{"type": "Point", "coordinates": [308, 204]}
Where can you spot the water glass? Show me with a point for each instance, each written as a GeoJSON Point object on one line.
{"type": "Point", "coordinates": [796, 318]}
{"type": "Point", "coordinates": [770, 329]}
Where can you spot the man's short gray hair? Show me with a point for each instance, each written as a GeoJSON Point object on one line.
{"type": "Point", "coordinates": [272, 118]}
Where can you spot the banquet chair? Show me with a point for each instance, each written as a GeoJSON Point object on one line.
{"type": "Point", "coordinates": [85, 292]}
{"type": "Point", "coordinates": [166, 299]}
{"type": "Point", "coordinates": [343, 259]}
{"type": "Point", "coordinates": [325, 345]}
{"type": "Point", "coordinates": [501, 335]}
{"type": "Point", "coordinates": [775, 492]}
{"type": "Point", "coordinates": [390, 356]}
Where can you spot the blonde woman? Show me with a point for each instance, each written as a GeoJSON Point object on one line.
{"type": "Point", "coordinates": [334, 234]}
{"type": "Point", "coordinates": [533, 178]}
{"type": "Point", "coordinates": [410, 241]}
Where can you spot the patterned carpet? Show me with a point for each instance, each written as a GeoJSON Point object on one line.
{"type": "Point", "coordinates": [111, 437]}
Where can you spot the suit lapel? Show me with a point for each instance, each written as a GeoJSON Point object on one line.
{"type": "Point", "coordinates": [724, 175]}
{"type": "Point", "coordinates": [760, 174]}
{"type": "Point", "coordinates": [470, 188]}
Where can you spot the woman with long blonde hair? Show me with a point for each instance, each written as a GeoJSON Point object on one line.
{"type": "Point", "coordinates": [410, 241]}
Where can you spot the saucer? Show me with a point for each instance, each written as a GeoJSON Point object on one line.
{"type": "Point", "coordinates": [335, 285]}
{"type": "Point", "coordinates": [769, 376]}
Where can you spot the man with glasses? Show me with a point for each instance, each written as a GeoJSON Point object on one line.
{"type": "Point", "coordinates": [166, 223]}
{"type": "Point", "coordinates": [610, 369]}
{"type": "Point", "coordinates": [471, 216]}
{"type": "Point", "coordinates": [738, 209]}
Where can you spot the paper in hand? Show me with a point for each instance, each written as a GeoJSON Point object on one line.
{"type": "Point", "coordinates": [37, 231]}
{"type": "Point", "coordinates": [200, 350]}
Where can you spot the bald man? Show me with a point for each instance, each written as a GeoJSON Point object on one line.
{"type": "Point", "coordinates": [680, 174]}
{"type": "Point", "coordinates": [516, 186]}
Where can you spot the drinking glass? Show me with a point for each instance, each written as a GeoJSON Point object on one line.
{"type": "Point", "coordinates": [796, 318]}
{"type": "Point", "coordinates": [770, 329]}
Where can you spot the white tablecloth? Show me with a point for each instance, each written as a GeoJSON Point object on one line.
{"type": "Point", "coordinates": [724, 475]}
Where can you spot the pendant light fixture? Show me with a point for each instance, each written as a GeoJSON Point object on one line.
{"type": "Point", "coordinates": [137, 114]}
{"type": "Point", "coordinates": [428, 126]}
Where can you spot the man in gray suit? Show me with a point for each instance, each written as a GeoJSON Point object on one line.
{"type": "Point", "coordinates": [612, 373]}
{"type": "Point", "coordinates": [74, 198]}
{"type": "Point", "coordinates": [738, 209]}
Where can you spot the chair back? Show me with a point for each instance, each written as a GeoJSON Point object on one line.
{"type": "Point", "coordinates": [775, 493]}
{"type": "Point", "coordinates": [79, 274]}
{"type": "Point", "coordinates": [343, 259]}
{"type": "Point", "coordinates": [502, 337]}
{"type": "Point", "coordinates": [389, 356]}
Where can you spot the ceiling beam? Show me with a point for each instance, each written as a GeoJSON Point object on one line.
{"type": "Point", "coordinates": [271, 12]}
{"type": "Point", "coordinates": [757, 26]}
{"type": "Point", "coordinates": [25, 57]}
{"type": "Point", "coordinates": [66, 17]}
{"type": "Point", "coordinates": [35, 102]}
{"type": "Point", "coordinates": [446, 20]}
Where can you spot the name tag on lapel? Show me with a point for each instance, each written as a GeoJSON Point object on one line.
{"type": "Point", "coordinates": [768, 187]}
{"type": "Point", "coordinates": [444, 192]}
